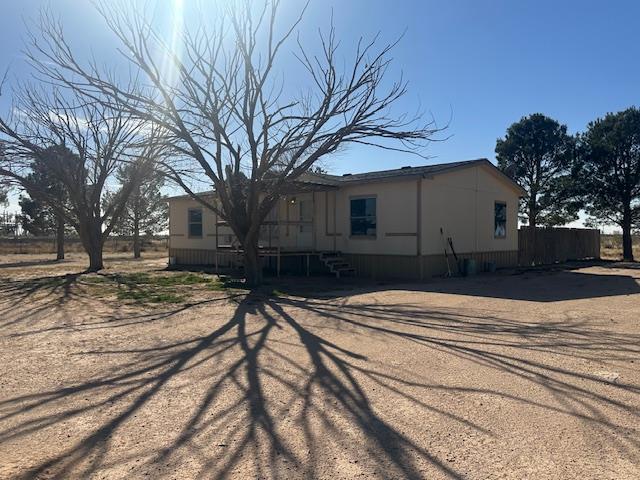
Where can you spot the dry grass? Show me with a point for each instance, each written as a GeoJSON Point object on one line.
{"type": "Point", "coordinates": [28, 245]}
{"type": "Point", "coordinates": [611, 247]}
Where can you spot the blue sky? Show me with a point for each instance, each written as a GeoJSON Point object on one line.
{"type": "Point", "coordinates": [476, 65]}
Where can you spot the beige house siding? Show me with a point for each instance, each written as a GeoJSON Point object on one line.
{"type": "Point", "coordinates": [462, 204]}
{"type": "Point", "coordinates": [396, 217]}
{"type": "Point", "coordinates": [179, 226]}
{"type": "Point", "coordinates": [409, 215]}
{"type": "Point", "coordinates": [288, 231]}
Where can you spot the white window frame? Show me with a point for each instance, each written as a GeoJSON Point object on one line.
{"type": "Point", "coordinates": [351, 217]}
{"type": "Point", "coordinates": [495, 226]}
{"type": "Point", "coordinates": [189, 222]}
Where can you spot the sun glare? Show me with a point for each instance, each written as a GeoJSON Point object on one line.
{"type": "Point", "coordinates": [175, 44]}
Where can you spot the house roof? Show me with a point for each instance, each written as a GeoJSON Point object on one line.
{"type": "Point", "coordinates": [326, 180]}
{"type": "Point", "coordinates": [422, 171]}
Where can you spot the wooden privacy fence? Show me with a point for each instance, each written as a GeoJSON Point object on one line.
{"type": "Point", "coordinates": [542, 246]}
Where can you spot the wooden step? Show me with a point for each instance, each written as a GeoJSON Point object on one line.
{"type": "Point", "coordinates": [345, 270]}
{"type": "Point", "coordinates": [330, 254]}
{"type": "Point", "coordinates": [337, 263]}
{"type": "Point", "coordinates": [333, 261]}
{"type": "Point", "coordinates": [339, 266]}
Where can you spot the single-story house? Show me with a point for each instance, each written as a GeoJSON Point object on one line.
{"type": "Point", "coordinates": [401, 223]}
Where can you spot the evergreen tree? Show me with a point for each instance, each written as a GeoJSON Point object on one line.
{"type": "Point", "coordinates": [146, 211]}
{"type": "Point", "coordinates": [610, 172]}
{"type": "Point", "coordinates": [538, 154]}
{"type": "Point", "coordinates": [38, 217]}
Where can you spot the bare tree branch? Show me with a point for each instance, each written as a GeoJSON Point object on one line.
{"type": "Point", "coordinates": [218, 102]}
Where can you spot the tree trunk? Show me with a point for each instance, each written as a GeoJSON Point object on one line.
{"type": "Point", "coordinates": [533, 223]}
{"type": "Point", "coordinates": [93, 243]}
{"type": "Point", "coordinates": [60, 238]}
{"type": "Point", "coordinates": [95, 259]}
{"type": "Point", "coordinates": [627, 240]}
{"type": "Point", "coordinates": [136, 237]}
{"type": "Point", "coordinates": [252, 266]}
{"type": "Point", "coordinates": [533, 215]}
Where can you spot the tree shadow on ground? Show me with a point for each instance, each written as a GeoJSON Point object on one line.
{"type": "Point", "coordinates": [564, 285]}
{"type": "Point", "coordinates": [30, 297]}
{"type": "Point", "coordinates": [23, 301]}
{"type": "Point", "coordinates": [273, 383]}
{"type": "Point", "coordinates": [622, 265]}
{"type": "Point", "coordinates": [550, 284]}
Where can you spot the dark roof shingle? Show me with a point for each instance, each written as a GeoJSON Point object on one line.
{"type": "Point", "coordinates": [423, 170]}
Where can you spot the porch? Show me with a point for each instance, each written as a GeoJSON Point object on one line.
{"type": "Point", "coordinates": [288, 241]}
{"type": "Point", "coordinates": [275, 260]}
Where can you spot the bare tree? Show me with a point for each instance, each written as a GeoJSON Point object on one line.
{"type": "Point", "coordinates": [82, 144]}
{"type": "Point", "coordinates": [4, 183]}
{"type": "Point", "coordinates": [4, 194]}
{"type": "Point", "coordinates": [223, 109]}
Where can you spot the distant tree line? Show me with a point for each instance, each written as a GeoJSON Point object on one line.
{"type": "Point", "coordinates": [596, 171]}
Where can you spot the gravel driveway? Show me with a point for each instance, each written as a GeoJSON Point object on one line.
{"type": "Point", "coordinates": [529, 375]}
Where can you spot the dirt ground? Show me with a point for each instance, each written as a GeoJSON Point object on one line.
{"type": "Point", "coordinates": [514, 375]}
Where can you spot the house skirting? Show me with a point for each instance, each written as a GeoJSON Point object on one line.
{"type": "Point", "coordinates": [196, 256]}
{"type": "Point", "coordinates": [411, 267]}
{"type": "Point", "coordinates": [289, 263]}
{"type": "Point", "coordinates": [407, 267]}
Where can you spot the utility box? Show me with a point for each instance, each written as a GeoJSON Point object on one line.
{"type": "Point", "coordinates": [469, 267]}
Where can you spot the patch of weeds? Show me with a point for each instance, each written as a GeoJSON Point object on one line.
{"type": "Point", "coordinates": [186, 278]}
{"type": "Point", "coordinates": [97, 280]}
{"type": "Point", "coordinates": [149, 296]}
{"type": "Point", "coordinates": [217, 286]}
{"type": "Point", "coordinates": [143, 287]}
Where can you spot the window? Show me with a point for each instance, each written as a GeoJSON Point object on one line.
{"type": "Point", "coordinates": [195, 222]}
{"type": "Point", "coordinates": [363, 217]}
{"type": "Point", "coordinates": [500, 220]}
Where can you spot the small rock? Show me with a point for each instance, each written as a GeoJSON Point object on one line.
{"type": "Point", "coordinates": [611, 377]}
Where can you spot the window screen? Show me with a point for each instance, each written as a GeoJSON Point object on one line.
{"type": "Point", "coordinates": [363, 217]}
{"type": "Point", "coordinates": [500, 220]}
{"type": "Point", "coordinates": [195, 222]}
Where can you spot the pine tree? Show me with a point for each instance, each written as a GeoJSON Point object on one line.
{"type": "Point", "coordinates": [146, 211]}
